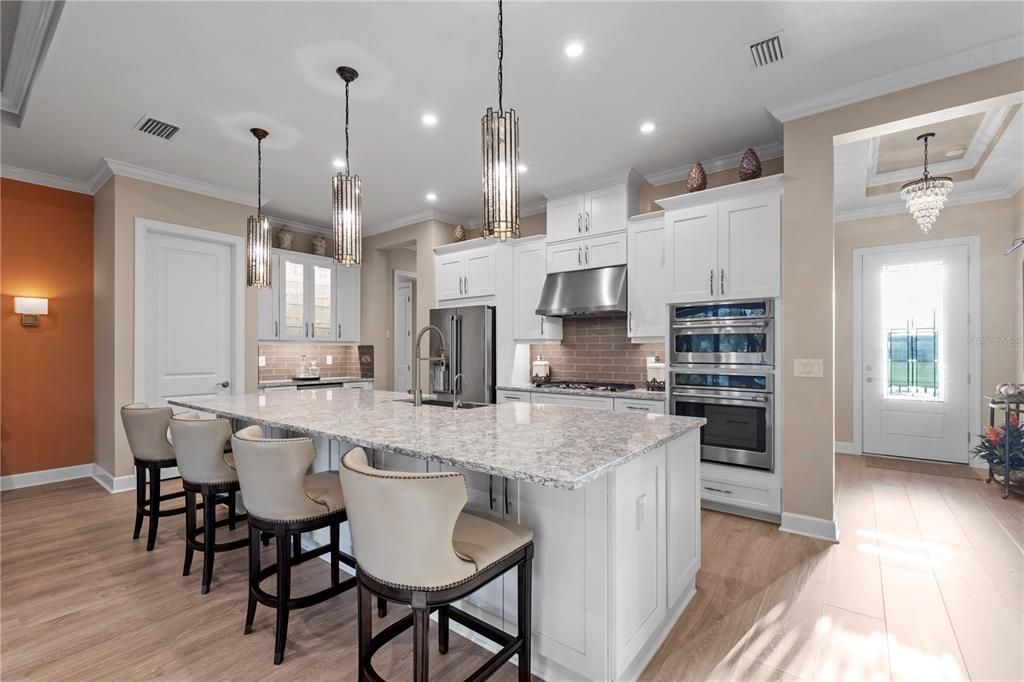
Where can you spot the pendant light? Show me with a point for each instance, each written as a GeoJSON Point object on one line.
{"type": "Point", "coordinates": [257, 228]}
{"type": "Point", "coordinates": [346, 200]}
{"type": "Point", "coordinates": [926, 196]}
{"type": "Point", "coordinates": [500, 136]}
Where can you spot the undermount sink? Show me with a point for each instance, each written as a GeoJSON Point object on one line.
{"type": "Point", "coordinates": [443, 403]}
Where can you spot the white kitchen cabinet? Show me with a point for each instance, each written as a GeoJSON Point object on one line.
{"type": "Point", "coordinates": [347, 298]}
{"type": "Point", "coordinates": [646, 277]}
{"type": "Point", "coordinates": [607, 210]}
{"type": "Point", "coordinates": [508, 396]}
{"type": "Point", "coordinates": [565, 218]}
{"type": "Point", "coordinates": [565, 256]}
{"type": "Point", "coordinates": [268, 303]}
{"type": "Point", "coordinates": [639, 405]}
{"type": "Point", "coordinates": [590, 211]}
{"type": "Point", "coordinates": [589, 252]}
{"type": "Point", "coordinates": [591, 402]}
{"type": "Point", "coordinates": [530, 271]}
{"type": "Point", "coordinates": [724, 243]}
{"type": "Point", "coordinates": [464, 272]}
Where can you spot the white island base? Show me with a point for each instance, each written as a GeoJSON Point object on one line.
{"type": "Point", "coordinates": [615, 563]}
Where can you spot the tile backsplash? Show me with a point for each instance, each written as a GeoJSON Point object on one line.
{"type": "Point", "coordinates": [597, 349]}
{"type": "Point", "coordinates": [282, 360]}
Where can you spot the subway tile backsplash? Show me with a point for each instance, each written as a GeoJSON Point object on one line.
{"type": "Point", "coordinates": [597, 349]}
{"type": "Point", "coordinates": [282, 360]}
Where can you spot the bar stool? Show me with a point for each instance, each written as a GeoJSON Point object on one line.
{"type": "Point", "coordinates": [147, 431]}
{"type": "Point", "coordinates": [415, 546]}
{"type": "Point", "coordinates": [281, 499]}
{"type": "Point", "coordinates": [206, 470]}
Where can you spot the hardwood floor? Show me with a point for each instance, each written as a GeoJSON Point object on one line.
{"type": "Point", "coordinates": [927, 584]}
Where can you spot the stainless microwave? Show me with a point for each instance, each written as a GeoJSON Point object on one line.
{"type": "Point", "coordinates": [723, 333]}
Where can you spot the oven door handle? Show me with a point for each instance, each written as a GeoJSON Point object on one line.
{"type": "Point", "coordinates": [754, 401]}
{"type": "Point", "coordinates": [719, 329]}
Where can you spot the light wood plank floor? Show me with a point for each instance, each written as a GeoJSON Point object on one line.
{"type": "Point", "coordinates": [927, 584]}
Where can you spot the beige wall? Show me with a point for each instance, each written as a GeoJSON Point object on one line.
{"type": "Point", "coordinates": [1017, 207]}
{"type": "Point", "coordinates": [808, 267]}
{"type": "Point", "coordinates": [992, 221]}
{"type": "Point", "coordinates": [118, 203]}
{"type": "Point", "coordinates": [650, 193]}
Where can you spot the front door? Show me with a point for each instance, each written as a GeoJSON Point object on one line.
{"type": "Point", "coordinates": [915, 353]}
{"type": "Point", "coordinates": [187, 318]}
{"type": "Point", "coordinates": [403, 336]}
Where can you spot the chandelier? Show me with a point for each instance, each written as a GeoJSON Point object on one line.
{"type": "Point", "coordinates": [926, 196]}
{"type": "Point", "coordinates": [257, 228]}
{"type": "Point", "coordinates": [500, 176]}
{"type": "Point", "coordinates": [346, 200]}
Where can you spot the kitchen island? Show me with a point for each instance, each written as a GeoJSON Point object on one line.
{"type": "Point", "coordinates": [612, 498]}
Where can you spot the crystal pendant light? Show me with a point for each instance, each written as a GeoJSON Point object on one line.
{"type": "Point", "coordinates": [500, 135]}
{"type": "Point", "coordinates": [926, 196]}
{"type": "Point", "coordinates": [346, 200]}
{"type": "Point", "coordinates": [257, 228]}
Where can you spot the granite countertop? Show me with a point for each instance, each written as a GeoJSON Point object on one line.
{"type": "Point", "coordinates": [559, 447]}
{"type": "Point", "coordinates": [322, 380]}
{"type": "Point", "coordinates": [635, 394]}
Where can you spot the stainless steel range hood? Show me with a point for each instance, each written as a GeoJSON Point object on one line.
{"type": "Point", "coordinates": [601, 291]}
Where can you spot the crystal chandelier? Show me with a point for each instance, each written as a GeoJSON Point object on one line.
{"type": "Point", "coordinates": [500, 134]}
{"type": "Point", "coordinates": [926, 196]}
{"type": "Point", "coordinates": [257, 228]}
{"type": "Point", "coordinates": [346, 200]}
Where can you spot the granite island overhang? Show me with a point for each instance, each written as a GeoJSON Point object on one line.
{"type": "Point", "coordinates": [613, 500]}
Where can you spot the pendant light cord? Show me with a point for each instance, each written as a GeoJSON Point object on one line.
{"type": "Point", "coordinates": [348, 169]}
{"type": "Point", "coordinates": [501, 53]}
{"type": "Point", "coordinates": [259, 181]}
{"type": "Point", "coordinates": [926, 158]}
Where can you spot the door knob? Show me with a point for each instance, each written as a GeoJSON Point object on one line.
{"type": "Point", "coordinates": [224, 384]}
{"type": "Point", "coordinates": [867, 368]}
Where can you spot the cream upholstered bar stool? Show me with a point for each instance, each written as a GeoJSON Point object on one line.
{"type": "Point", "coordinates": [207, 469]}
{"type": "Point", "coordinates": [414, 545]}
{"type": "Point", "coordinates": [147, 431]}
{"type": "Point", "coordinates": [281, 499]}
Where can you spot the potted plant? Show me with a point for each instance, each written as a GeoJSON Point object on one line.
{"type": "Point", "coordinates": [999, 443]}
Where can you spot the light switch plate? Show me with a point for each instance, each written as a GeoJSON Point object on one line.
{"type": "Point", "coordinates": [263, 361]}
{"type": "Point", "coordinates": [330, 359]}
{"type": "Point", "coordinates": [811, 368]}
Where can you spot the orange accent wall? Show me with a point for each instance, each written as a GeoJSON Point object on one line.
{"type": "Point", "coordinates": [46, 372]}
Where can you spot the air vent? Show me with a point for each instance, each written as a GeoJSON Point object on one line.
{"type": "Point", "coordinates": [151, 126]}
{"type": "Point", "coordinates": [767, 51]}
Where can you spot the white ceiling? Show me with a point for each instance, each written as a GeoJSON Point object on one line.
{"type": "Point", "coordinates": [216, 69]}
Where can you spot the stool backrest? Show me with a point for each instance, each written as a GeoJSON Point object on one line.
{"type": "Point", "coordinates": [271, 474]}
{"type": "Point", "coordinates": [402, 523]}
{"type": "Point", "coordinates": [199, 448]}
{"type": "Point", "coordinates": [146, 428]}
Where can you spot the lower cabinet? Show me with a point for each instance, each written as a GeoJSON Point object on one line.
{"type": "Point", "coordinates": [592, 402]}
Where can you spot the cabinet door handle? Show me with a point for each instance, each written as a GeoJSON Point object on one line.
{"type": "Point", "coordinates": [513, 397]}
{"type": "Point", "coordinates": [718, 490]}
{"type": "Point", "coordinates": [638, 409]}
{"type": "Point", "coordinates": [711, 281]}
{"type": "Point", "coordinates": [629, 324]}
{"type": "Point", "coordinates": [307, 330]}
{"type": "Point", "coordinates": [508, 510]}
{"type": "Point", "coordinates": [460, 285]}
{"type": "Point", "coordinates": [586, 251]}
{"type": "Point", "coordinates": [467, 283]}
{"type": "Point", "coordinates": [721, 285]}
{"type": "Point", "coordinates": [579, 256]}
{"type": "Point", "coordinates": [276, 332]}
{"type": "Point", "coordinates": [579, 223]}
{"type": "Point", "coordinates": [586, 223]}
{"type": "Point", "coordinates": [339, 330]}
{"type": "Point", "coordinates": [542, 326]}
{"type": "Point", "coordinates": [490, 491]}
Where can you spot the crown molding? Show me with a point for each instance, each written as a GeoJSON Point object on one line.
{"type": "Point", "coordinates": [937, 69]}
{"type": "Point", "coordinates": [36, 24]}
{"type": "Point", "coordinates": [768, 183]}
{"type": "Point", "coordinates": [524, 211]}
{"type": "Point", "coordinates": [621, 175]}
{"type": "Point", "coordinates": [993, 194]}
{"type": "Point", "coordinates": [130, 170]}
{"type": "Point", "coordinates": [296, 226]}
{"type": "Point", "coordinates": [45, 179]}
{"type": "Point", "coordinates": [772, 150]}
{"type": "Point", "coordinates": [412, 219]}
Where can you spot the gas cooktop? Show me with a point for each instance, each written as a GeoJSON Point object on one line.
{"type": "Point", "coordinates": [593, 386]}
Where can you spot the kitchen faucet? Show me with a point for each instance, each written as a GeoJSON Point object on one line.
{"type": "Point", "coordinates": [417, 394]}
{"type": "Point", "coordinates": [455, 391]}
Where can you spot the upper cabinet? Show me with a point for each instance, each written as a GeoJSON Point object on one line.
{"type": "Point", "coordinates": [586, 253]}
{"type": "Point", "coordinates": [464, 271]}
{"type": "Point", "coordinates": [530, 271]}
{"type": "Point", "coordinates": [724, 243]}
{"type": "Point", "coordinates": [645, 272]}
{"type": "Point", "coordinates": [305, 301]}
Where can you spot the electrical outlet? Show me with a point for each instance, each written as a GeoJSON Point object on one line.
{"type": "Point", "coordinates": [263, 400]}
{"type": "Point", "coordinates": [263, 361]}
{"type": "Point", "coordinates": [641, 510]}
{"type": "Point", "coordinates": [812, 368]}
{"type": "Point", "coordinates": [330, 360]}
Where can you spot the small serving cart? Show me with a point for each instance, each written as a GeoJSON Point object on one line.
{"type": "Point", "coordinates": [1001, 474]}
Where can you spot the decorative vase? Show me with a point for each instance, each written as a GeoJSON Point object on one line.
{"type": "Point", "coordinates": [697, 179]}
{"type": "Point", "coordinates": [460, 233]}
{"type": "Point", "coordinates": [285, 238]}
{"type": "Point", "coordinates": [319, 245]}
{"type": "Point", "coordinates": [750, 165]}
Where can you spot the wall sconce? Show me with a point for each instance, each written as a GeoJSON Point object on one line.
{"type": "Point", "coordinates": [30, 309]}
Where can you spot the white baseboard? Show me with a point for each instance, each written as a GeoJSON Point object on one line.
{"type": "Point", "coordinates": [811, 526]}
{"type": "Point", "coordinates": [33, 478]}
{"type": "Point", "coordinates": [845, 448]}
{"type": "Point", "coordinates": [122, 484]}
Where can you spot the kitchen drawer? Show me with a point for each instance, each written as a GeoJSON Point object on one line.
{"type": "Point", "coordinates": [358, 384]}
{"type": "Point", "coordinates": [632, 405]}
{"type": "Point", "coordinates": [590, 402]}
{"type": "Point", "coordinates": [513, 397]}
{"type": "Point", "coordinates": [750, 496]}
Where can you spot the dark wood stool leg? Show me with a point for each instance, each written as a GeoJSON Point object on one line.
{"type": "Point", "coordinates": [442, 629]}
{"type": "Point", "coordinates": [335, 553]}
{"type": "Point", "coordinates": [209, 537]}
{"type": "Point", "coordinates": [364, 609]}
{"type": "Point", "coordinates": [140, 498]}
{"type": "Point", "coordinates": [254, 571]}
{"type": "Point", "coordinates": [525, 614]}
{"type": "Point", "coordinates": [265, 538]}
{"type": "Point", "coordinates": [232, 520]}
{"type": "Point", "coordinates": [297, 545]}
{"type": "Point", "coordinates": [190, 530]}
{"type": "Point", "coordinates": [382, 607]}
{"type": "Point", "coordinates": [154, 506]}
{"type": "Point", "coordinates": [284, 575]}
{"type": "Point", "coordinates": [420, 637]}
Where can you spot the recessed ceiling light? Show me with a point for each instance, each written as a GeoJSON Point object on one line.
{"type": "Point", "coordinates": [955, 151]}
{"type": "Point", "coordinates": [338, 163]}
{"type": "Point", "coordinates": [429, 119]}
{"type": "Point", "coordinates": [431, 196]}
{"type": "Point", "coordinates": [522, 168]}
{"type": "Point", "coordinates": [647, 127]}
{"type": "Point", "coordinates": [573, 49]}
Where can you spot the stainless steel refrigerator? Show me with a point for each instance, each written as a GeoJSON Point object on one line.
{"type": "Point", "coordinates": [469, 342]}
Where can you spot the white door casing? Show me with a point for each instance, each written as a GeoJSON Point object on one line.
{"type": "Point", "coordinates": [189, 312]}
{"type": "Point", "coordinates": [900, 423]}
{"type": "Point", "coordinates": [403, 334]}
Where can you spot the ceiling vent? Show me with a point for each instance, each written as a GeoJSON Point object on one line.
{"type": "Point", "coordinates": [767, 51]}
{"type": "Point", "coordinates": [151, 126]}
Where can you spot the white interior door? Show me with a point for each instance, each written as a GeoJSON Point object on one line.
{"type": "Point", "coordinates": [914, 313]}
{"type": "Point", "coordinates": [187, 318]}
{"type": "Point", "coordinates": [403, 336]}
